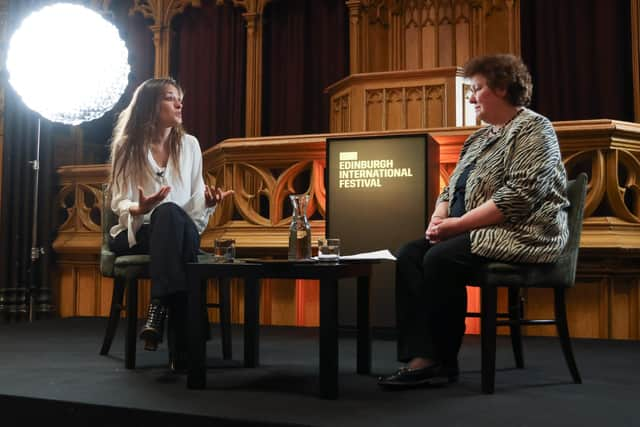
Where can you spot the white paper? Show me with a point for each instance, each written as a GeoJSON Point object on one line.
{"type": "Point", "coordinates": [381, 255]}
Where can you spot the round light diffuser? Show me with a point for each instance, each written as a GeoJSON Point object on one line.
{"type": "Point", "coordinates": [68, 63]}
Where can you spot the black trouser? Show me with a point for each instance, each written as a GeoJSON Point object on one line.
{"type": "Point", "coordinates": [431, 297]}
{"type": "Point", "coordinates": [172, 240]}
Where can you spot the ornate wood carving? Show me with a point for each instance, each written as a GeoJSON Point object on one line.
{"type": "Point", "coordinates": [614, 188]}
{"type": "Point", "coordinates": [399, 100]}
{"type": "Point", "coordinates": [416, 34]}
{"type": "Point", "coordinates": [635, 56]}
{"type": "Point", "coordinates": [161, 12]}
{"type": "Point", "coordinates": [263, 171]}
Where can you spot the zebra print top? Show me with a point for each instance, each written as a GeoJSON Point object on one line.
{"type": "Point", "coordinates": [521, 170]}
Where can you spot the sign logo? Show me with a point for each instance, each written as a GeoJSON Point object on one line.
{"type": "Point", "coordinates": [349, 155]}
{"type": "Point", "coordinates": [356, 173]}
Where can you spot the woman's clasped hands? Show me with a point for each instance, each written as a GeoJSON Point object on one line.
{"type": "Point", "coordinates": [440, 228]}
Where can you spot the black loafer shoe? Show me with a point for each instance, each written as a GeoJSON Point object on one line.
{"type": "Point", "coordinates": [433, 375]}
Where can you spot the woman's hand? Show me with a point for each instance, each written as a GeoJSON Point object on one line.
{"type": "Point", "coordinates": [443, 228]}
{"type": "Point", "coordinates": [146, 204]}
{"type": "Point", "coordinates": [213, 195]}
{"type": "Point", "coordinates": [430, 233]}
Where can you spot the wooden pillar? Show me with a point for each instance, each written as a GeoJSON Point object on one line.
{"type": "Point", "coordinates": [477, 28]}
{"type": "Point", "coordinates": [355, 53]}
{"type": "Point", "coordinates": [513, 21]}
{"type": "Point", "coordinates": [254, 9]}
{"type": "Point", "coordinates": [396, 39]}
{"type": "Point", "coordinates": [161, 12]}
{"type": "Point", "coordinates": [253, 115]}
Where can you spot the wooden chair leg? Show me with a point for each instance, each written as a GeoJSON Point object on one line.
{"type": "Point", "coordinates": [515, 316]}
{"type": "Point", "coordinates": [132, 323]}
{"type": "Point", "coordinates": [224, 299]}
{"type": "Point", "coordinates": [563, 333]}
{"type": "Point", "coordinates": [114, 315]}
{"type": "Point", "coordinates": [488, 303]}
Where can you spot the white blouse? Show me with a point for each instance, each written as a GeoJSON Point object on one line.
{"type": "Point", "coordinates": [188, 192]}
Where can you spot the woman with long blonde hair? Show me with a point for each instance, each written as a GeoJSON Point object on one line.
{"type": "Point", "coordinates": [159, 197]}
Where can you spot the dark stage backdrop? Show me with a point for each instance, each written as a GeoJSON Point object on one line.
{"type": "Point", "coordinates": [209, 62]}
{"type": "Point", "coordinates": [579, 54]}
{"type": "Point", "coordinates": [305, 50]}
{"type": "Point", "coordinates": [20, 125]}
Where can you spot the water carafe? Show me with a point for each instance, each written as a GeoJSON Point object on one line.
{"type": "Point", "coordinates": [299, 231]}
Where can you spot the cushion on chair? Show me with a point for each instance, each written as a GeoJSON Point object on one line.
{"type": "Point", "coordinates": [553, 275]}
{"type": "Point", "coordinates": [131, 266]}
{"type": "Point", "coordinates": [132, 260]}
{"type": "Point", "coordinates": [109, 261]}
{"type": "Point", "coordinates": [137, 260]}
{"type": "Point", "coordinates": [560, 274]}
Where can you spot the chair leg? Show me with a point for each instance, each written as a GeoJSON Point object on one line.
{"type": "Point", "coordinates": [114, 315]}
{"type": "Point", "coordinates": [224, 299]}
{"type": "Point", "coordinates": [515, 316]}
{"type": "Point", "coordinates": [132, 323]}
{"type": "Point", "coordinates": [563, 333]}
{"type": "Point", "coordinates": [488, 303]}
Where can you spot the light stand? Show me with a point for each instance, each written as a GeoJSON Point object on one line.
{"type": "Point", "coordinates": [35, 250]}
{"type": "Point", "coordinates": [69, 65]}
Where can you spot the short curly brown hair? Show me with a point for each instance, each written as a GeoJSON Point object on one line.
{"type": "Point", "coordinates": [503, 72]}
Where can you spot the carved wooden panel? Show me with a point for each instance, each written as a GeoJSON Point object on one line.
{"type": "Point", "coordinates": [424, 34]}
{"type": "Point", "coordinates": [604, 303]}
{"type": "Point", "coordinates": [400, 100]}
{"type": "Point", "coordinates": [340, 114]}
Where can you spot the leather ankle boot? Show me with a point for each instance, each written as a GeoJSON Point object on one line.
{"type": "Point", "coordinates": [153, 328]}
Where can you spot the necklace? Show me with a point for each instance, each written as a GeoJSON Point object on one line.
{"type": "Point", "coordinates": [495, 130]}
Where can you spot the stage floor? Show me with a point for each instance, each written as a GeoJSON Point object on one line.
{"type": "Point", "coordinates": [51, 368]}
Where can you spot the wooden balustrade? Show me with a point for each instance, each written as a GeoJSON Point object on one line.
{"type": "Point", "coordinates": [265, 170]}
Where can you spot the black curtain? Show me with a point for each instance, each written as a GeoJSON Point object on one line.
{"type": "Point", "coordinates": [18, 280]}
{"type": "Point", "coordinates": [209, 61]}
{"type": "Point", "coordinates": [306, 48]}
{"type": "Point", "coordinates": [579, 54]}
{"type": "Point", "coordinates": [17, 277]}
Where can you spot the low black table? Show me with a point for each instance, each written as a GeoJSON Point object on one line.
{"type": "Point", "coordinates": [251, 271]}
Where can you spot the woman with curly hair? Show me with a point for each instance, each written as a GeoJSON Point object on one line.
{"type": "Point", "coordinates": [506, 200]}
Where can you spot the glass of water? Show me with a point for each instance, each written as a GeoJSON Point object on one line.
{"type": "Point", "coordinates": [224, 250]}
{"type": "Point", "coordinates": [329, 250]}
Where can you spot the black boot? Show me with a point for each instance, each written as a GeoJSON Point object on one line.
{"type": "Point", "coordinates": [153, 328]}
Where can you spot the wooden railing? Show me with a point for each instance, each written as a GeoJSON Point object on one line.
{"type": "Point", "coordinates": [264, 171]}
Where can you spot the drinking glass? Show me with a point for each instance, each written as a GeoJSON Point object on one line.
{"type": "Point", "coordinates": [224, 250]}
{"type": "Point", "coordinates": [329, 250]}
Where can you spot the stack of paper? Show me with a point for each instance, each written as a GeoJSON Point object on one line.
{"type": "Point", "coordinates": [375, 255]}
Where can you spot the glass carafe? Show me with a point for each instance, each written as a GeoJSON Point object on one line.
{"type": "Point", "coordinates": [299, 230]}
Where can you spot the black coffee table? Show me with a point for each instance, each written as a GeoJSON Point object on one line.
{"type": "Point", "coordinates": [251, 271]}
